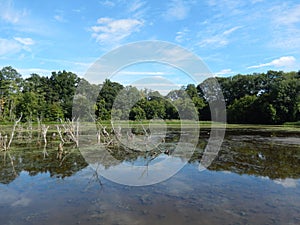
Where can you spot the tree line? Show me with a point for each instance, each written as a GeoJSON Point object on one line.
{"type": "Point", "coordinates": [259, 98]}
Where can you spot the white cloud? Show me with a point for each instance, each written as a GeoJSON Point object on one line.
{"type": "Point", "coordinates": [231, 5]}
{"type": "Point", "coordinates": [137, 8]}
{"type": "Point", "coordinates": [289, 17]}
{"type": "Point", "coordinates": [177, 10]}
{"type": "Point", "coordinates": [181, 36]}
{"type": "Point", "coordinates": [15, 45]}
{"type": "Point", "coordinates": [139, 73]}
{"type": "Point", "coordinates": [24, 41]}
{"type": "Point", "coordinates": [231, 30]}
{"type": "Point", "coordinates": [288, 39]}
{"type": "Point", "coordinates": [156, 83]}
{"type": "Point", "coordinates": [285, 61]}
{"type": "Point", "coordinates": [77, 10]}
{"type": "Point", "coordinates": [108, 3]}
{"type": "Point", "coordinates": [136, 5]}
{"type": "Point", "coordinates": [218, 40]}
{"type": "Point", "coordinates": [9, 14]}
{"type": "Point", "coordinates": [224, 72]}
{"type": "Point", "coordinates": [256, 1]}
{"type": "Point", "coordinates": [287, 183]}
{"type": "Point", "coordinates": [111, 31]}
{"type": "Point", "coordinates": [9, 47]}
{"type": "Point", "coordinates": [59, 18]}
{"type": "Point", "coordinates": [285, 26]}
{"type": "Point", "coordinates": [23, 201]}
{"type": "Point", "coordinates": [28, 71]}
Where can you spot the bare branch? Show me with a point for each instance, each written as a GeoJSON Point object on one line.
{"type": "Point", "coordinates": [13, 132]}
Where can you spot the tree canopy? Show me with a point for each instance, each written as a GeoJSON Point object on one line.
{"type": "Point", "coordinates": [259, 98]}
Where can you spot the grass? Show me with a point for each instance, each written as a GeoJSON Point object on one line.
{"type": "Point", "coordinates": [287, 127]}
{"type": "Point", "coordinates": [291, 126]}
{"type": "Point", "coordinates": [295, 124]}
{"type": "Point", "coordinates": [281, 128]}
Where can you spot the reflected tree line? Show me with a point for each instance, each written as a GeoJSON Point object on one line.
{"type": "Point", "coordinates": [12, 163]}
{"type": "Point", "coordinates": [252, 157]}
{"type": "Point", "coordinates": [264, 158]}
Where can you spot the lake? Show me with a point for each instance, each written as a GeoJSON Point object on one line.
{"type": "Point", "coordinates": [254, 179]}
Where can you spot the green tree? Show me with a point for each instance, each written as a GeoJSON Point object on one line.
{"type": "Point", "coordinates": [63, 90]}
{"type": "Point", "coordinates": [171, 111]}
{"type": "Point", "coordinates": [10, 87]}
{"type": "Point", "coordinates": [153, 109]}
{"type": "Point", "coordinates": [101, 111]}
{"type": "Point", "coordinates": [28, 106]}
{"type": "Point", "coordinates": [85, 100]}
{"type": "Point", "coordinates": [137, 113]}
{"type": "Point", "coordinates": [191, 90]}
{"type": "Point", "coordinates": [264, 112]}
{"type": "Point", "coordinates": [54, 112]}
{"type": "Point", "coordinates": [284, 96]}
{"type": "Point", "coordinates": [106, 98]}
{"type": "Point", "coordinates": [124, 101]}
{"type": "Point", "coordinates": [241, 110]}
{"type": "Point", "coordinates": [36, 87]}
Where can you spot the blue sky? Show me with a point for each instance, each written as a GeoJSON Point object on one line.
{"type": "Point", "coordinates": [230, 36]}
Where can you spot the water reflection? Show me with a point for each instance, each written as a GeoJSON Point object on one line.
{"type": "Point", "coordinates": [235, 189]}
{"type": "Point", "coordinates": [274, 158]}
{"type": "Point", "coordinates": [33, 161]}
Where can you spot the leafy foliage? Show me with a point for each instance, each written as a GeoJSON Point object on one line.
{"type": "Point", "coordinates": [259, 98]}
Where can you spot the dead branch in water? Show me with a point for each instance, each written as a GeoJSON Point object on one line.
{"type": "Point", "coordinates": [3, 141]}
{"type": "Point", "coordinates": [12, 134]}
{"type": "Point", "coordinates": [66, 154]}
{"type": "Point", "coordinates": [60, 151]}
{"type": "Point", "coordinates": [39, 130]}
{"type": "Point", "coordinates": [105, 137]}
{"type": "Point", "coordinates": [19, 132]}
{"type": "Point", "coordinates": [29, 129]}
{"type": "Point", "coordinates": [59, 131]}
{"type": "Point", "coordinates": [71, 130]}
{"type": "Point", "coordinates": [45, 151]}
{"type": "Point", "coordinates": [44, 132]}
{"type": "Point", "coordinates": [12, 164]}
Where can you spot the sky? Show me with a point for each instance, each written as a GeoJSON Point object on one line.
{"type": "Point", "coordinates": [230, 36]}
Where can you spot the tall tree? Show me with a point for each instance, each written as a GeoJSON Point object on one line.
{"type": "Point", "coordinates": [10, 87]}
{"type": "Point", "coordinates": [63, 90]}
{"type": "Point", "coordinates": [106, 98]}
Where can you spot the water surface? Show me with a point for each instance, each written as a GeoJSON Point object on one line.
{"type": "Point", "coordinates": [253, 180]}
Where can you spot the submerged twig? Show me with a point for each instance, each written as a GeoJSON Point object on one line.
{"type": "Point", "coordinates": [66, 155]}
{"type": "Point", "coordinates": [96, 177]}
{"type": "Point", "coordinates": [45, 151]}
{"type": "Point", "coordinates": [12, 164]}
{"type": "Point", "coordinates": [60, 151]}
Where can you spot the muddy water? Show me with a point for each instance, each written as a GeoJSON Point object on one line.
{"type": "Point", "coordinates": [253, 180]}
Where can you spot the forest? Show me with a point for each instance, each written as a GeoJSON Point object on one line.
{"type": "Point", "coordinates": [258, 98]}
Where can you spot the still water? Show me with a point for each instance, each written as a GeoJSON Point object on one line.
{"type": "Point", "coordinates": [253, 180]}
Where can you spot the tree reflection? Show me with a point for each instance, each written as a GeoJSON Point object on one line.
{"type": "Point", "coordinates": [250, 156]}
{"type": "Point", "coordinates": [33, 161]}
